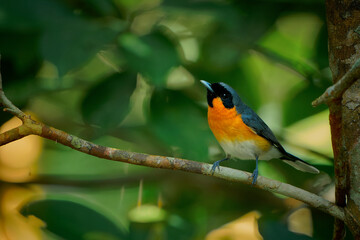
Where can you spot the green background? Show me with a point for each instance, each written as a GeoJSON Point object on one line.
{"type": "Point", "coordinates": [126, 74]}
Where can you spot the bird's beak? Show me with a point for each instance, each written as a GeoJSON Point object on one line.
{"type": "Point", "coordinates": [207, 85]}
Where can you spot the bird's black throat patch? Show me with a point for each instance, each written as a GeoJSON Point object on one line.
{"type": "Point", "coordinates": [221, 92]}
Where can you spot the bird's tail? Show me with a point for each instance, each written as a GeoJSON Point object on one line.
{"type": "Point", "coordinates": [299, 164]}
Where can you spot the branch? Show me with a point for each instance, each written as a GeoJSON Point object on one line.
{"type": "Point", "coordinates": [34, 127]}
{"type": "Point", "coordinates": [335, 91]}
{"type": "Point", "coordinates": [40, 129]}
{"type": "Point", "coordinates": [15, 134]}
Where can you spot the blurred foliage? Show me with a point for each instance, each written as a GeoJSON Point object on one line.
{"type": "Point", "coordinates": [98, 105]}
{"type": "Point", "coordinates": [126, 74]}
{"type": "Point", "coordinates": [61, 215]}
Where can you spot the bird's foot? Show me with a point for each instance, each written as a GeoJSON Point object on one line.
{"type": "Point", "coordinates": [254, 176]}
{"type": "Point", "coordinates": [214, 166]}
{"type": "Point", "coordinates": [217, 164]}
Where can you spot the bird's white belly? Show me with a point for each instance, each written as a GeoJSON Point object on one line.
{"type": "Point", "coordinates": [247, 150]}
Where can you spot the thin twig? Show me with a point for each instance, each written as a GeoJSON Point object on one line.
{"type": "Point", "coordinates": [335, 91]}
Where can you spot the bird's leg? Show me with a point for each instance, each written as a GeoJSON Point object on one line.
{"type": "Point", "coordinates": [255, 172]}
{"type": "Point", "coordinates": [217, 164]}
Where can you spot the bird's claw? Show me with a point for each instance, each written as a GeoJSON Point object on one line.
{"type": "Point", "coordinates": [214, 166]}
{"type": "Point", "coordinates": [254, 176]}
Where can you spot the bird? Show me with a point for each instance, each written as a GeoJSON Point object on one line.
{"type": "Point", "coordinates": [241, 133]}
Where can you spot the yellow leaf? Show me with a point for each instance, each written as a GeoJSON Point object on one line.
{"type": "Point", "coordinates": [300, 221]}
{"type": "Point", "coordinates": [17, 227]}
{"type": "Point", "coordinates": [245, 227]}
{"type": "Point", "coordinates": [13, 225]}
{"type": "Point", "coordinates": [13, 197]}
{"type": "Point", "coordinates": [18, 159]}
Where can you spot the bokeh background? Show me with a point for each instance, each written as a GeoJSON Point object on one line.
{"type": "Point", "coordinates": [125, 74]}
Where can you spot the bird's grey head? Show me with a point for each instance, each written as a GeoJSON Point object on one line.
{"type": "Point", "coordinates": [227, 94]}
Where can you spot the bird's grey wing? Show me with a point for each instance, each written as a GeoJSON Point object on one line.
{"type": "Point", "coordinates": [252, 120]}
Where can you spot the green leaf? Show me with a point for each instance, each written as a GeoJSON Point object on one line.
{"type": "Point", "coordinates": [105, 8]}
{"type": "Point", "coordinates": [152, 55]}
{"type": "Point", "coordinates": [301, 67]}
{"type": "Point", "coordinates": [71, 220]}
{"type": "Point", "coordinates": [70, 41]}
{"type": "Point", "coordinates": [299, 105]}
{"type": "Point", "coordinates": [19, 39]}
{"type": "Point", "coordinates": [66, 39]}
{"type": "Point", "coordinates": [107, 103]}
{"type": "Point", "coordinates": [271, 229]}
{"type": "Point", "coordinates": [180, 124]}
{"type": "Point", "coordinates": [235, 31]}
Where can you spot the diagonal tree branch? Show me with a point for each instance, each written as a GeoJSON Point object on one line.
{"type": "Point", "coordinates": [15, 134]}
{"type": "Point", "coordinates": [33, 127]}
{"type": "Point", "coordinates": [40, 129]}
{"type": "Point", "coordinates": [335, 91]}
{"type": "Point", "coordinates": [163, 162]}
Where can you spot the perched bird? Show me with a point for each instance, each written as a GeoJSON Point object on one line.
{"type": "Point", "coordinates": [242, 133]}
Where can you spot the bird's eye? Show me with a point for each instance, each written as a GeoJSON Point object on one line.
{"type": "Point", "coordinates": [225, 95]}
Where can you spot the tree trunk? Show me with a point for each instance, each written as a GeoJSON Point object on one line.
{"type": "Point", "coordinates": [343, 22]}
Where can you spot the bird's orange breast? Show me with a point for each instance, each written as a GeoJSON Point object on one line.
{"type": "Point", "coordinates": [227, 125]}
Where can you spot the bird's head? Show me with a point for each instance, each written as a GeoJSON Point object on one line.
{"type": "Point", "coordinates": [221, 91]}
